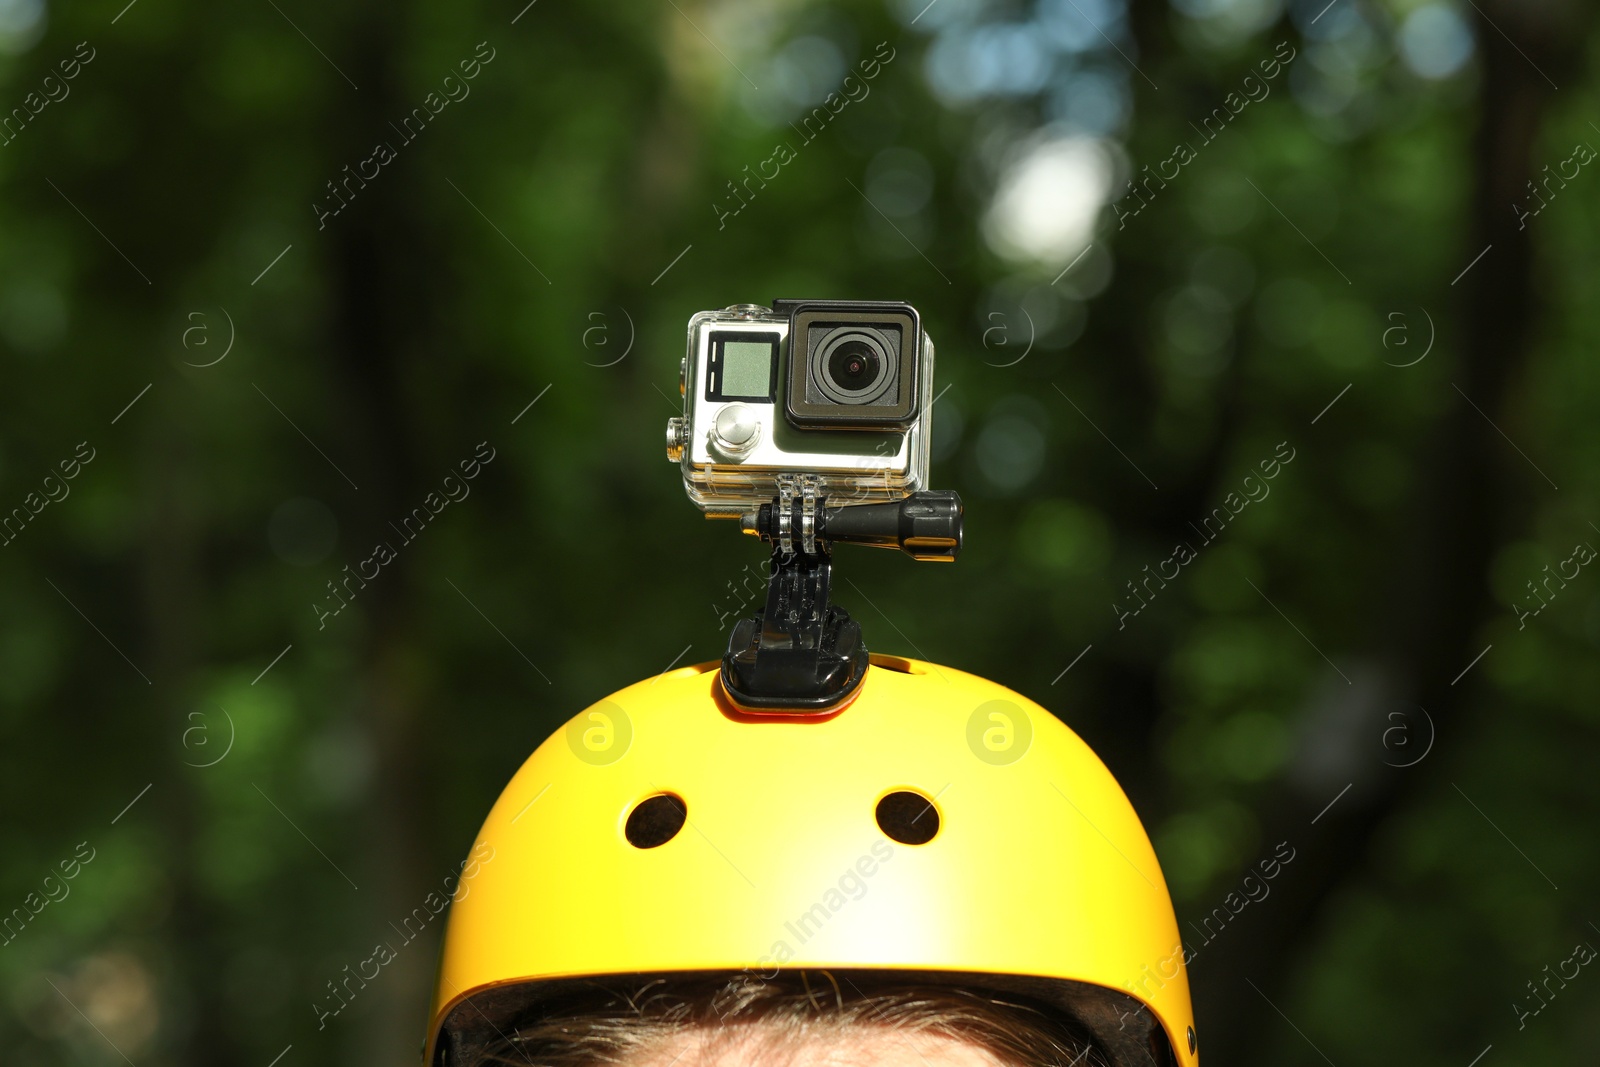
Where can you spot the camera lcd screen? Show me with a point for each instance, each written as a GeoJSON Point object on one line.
{"type": "Point", "coordinates": [743, 366]}
{"type": "Point", "coordinates": [746, 367]}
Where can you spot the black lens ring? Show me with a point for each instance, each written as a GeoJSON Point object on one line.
{"type": "Point", "coordinates": [853, 359]}
{"type": "Point", "coordinates": [822, 356]}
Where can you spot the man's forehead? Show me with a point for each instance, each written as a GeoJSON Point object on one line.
{"type": "Point", "coordinates": [847, 1045]}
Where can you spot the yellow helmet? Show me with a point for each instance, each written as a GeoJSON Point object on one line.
{"type": "Point", "coordinates": [937, 824]}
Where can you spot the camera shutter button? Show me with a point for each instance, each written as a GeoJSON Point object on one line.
{"type": "Point", "coordinates": [736, 429]}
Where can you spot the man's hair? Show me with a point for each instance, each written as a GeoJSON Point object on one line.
{"type": "Point", "coordinates": [612, 1021]}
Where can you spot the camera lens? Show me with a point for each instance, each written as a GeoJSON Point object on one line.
{"type": "Point", "coordinates": [853, 367]}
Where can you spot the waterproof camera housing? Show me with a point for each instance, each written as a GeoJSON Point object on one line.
{"type": "Point", "coordinates": [835, 391]}
{"type": "Point", "coordinates": [810, 422]}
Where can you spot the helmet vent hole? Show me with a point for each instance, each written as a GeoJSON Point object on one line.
{"type": "Point", "coordinates": [656, 820]}
{"type": "Point", "coordinates": [907, 817]}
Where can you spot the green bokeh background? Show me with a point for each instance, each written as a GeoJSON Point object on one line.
{"type": "Point", "coordinates": [547, 237]}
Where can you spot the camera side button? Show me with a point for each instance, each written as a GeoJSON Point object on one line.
{"type": "Point", "coordinates": [677, 437]}
{"type": "Point", "coordinates": [736, 430]}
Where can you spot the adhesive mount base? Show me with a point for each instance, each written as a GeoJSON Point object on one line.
{"type": "Point", "coordinates": [799, 654]}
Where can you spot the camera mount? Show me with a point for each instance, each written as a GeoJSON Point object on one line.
{"type": "Point", "coordinates": [801, 653]}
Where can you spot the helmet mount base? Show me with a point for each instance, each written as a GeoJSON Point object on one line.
{"type": "Point", "coordinates": [802, 654]}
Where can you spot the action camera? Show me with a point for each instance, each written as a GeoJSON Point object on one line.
{"type": "Point", "coordinates": [838, 390]}
{"type": "Point", "coordinates": [810, 423]}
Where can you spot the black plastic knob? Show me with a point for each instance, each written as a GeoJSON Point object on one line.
{"type": "Point", "coordinates": [925, 525]}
